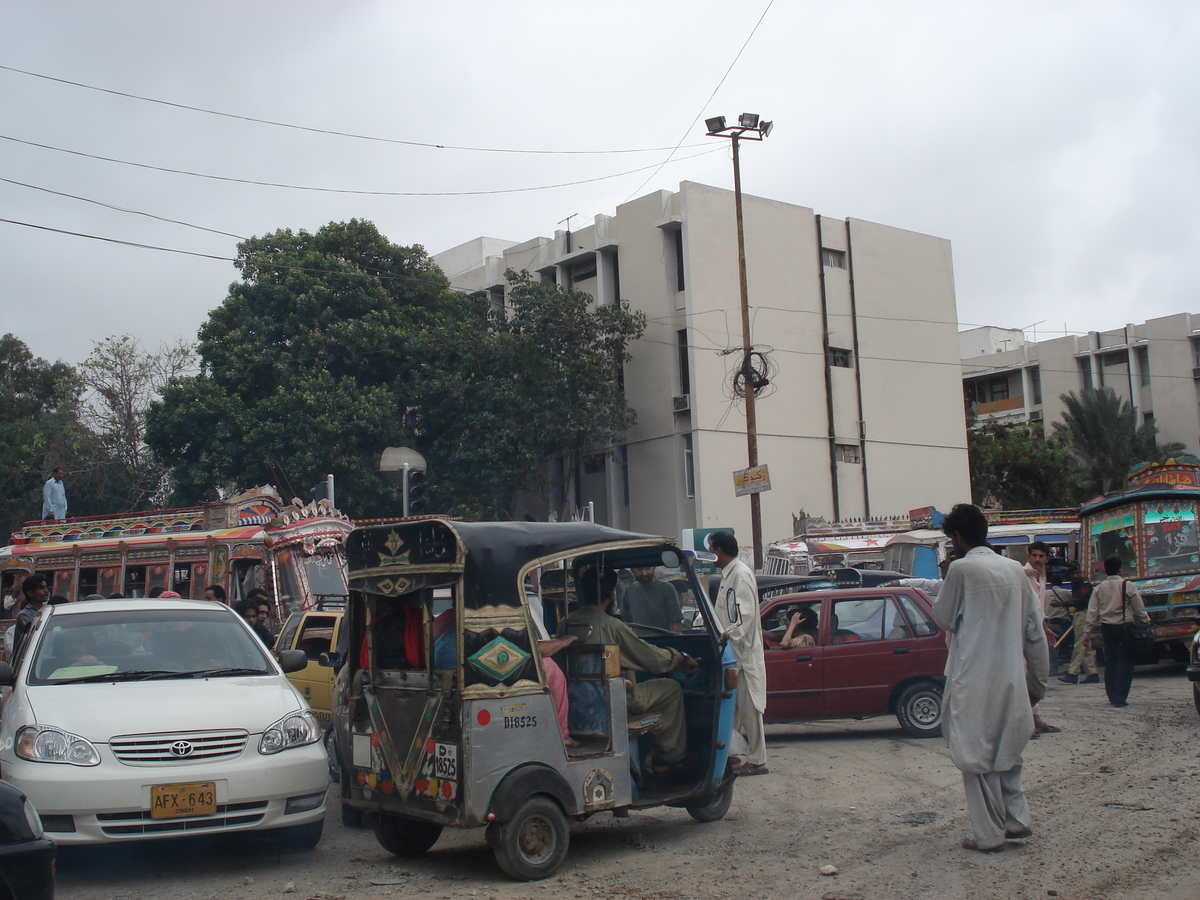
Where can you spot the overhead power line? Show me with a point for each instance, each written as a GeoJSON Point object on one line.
{"type": "Point", "coordinates": [327, 190]}
{"type": "Point", "coordinates": [330, 131]}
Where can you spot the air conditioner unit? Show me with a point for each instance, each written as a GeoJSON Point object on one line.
{"type": "Point", "coordinates": [1035, 415]}
{"type": "Point", "coordinates": [1196, 373]}
{"type": "Point", "coordinates": [683, 403]}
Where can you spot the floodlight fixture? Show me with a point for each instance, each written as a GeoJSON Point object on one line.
{"type": "Point", "coordinates": [766, 127]}
{"type": "Point", "coordinates": [717, 123]}
{"type": "Point", "coordinates": [748, 120]}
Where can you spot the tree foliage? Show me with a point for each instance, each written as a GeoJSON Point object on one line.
{"type": "Point", "coordinates": [1105, 440]}
{"type": "Point", "coordinates": [1015, 466]}
{"type": "Point", "coordinates": [37, 420]}
{"type": "Point", "coordinates": [337, 344]}
{"type": "Point", "coordinates": [121, 380]}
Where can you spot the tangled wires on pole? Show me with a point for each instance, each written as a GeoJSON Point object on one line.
{"type": "Point", "coordinates": [758, 369]}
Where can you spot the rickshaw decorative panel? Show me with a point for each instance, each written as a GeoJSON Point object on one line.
{"type": "Point", "coordinates": [1170, 534]}
{"type": "Point", "coordinates": [498, 657]}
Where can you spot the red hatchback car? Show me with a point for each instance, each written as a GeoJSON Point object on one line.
{"type": "Point", "coordinates": [873, 652]}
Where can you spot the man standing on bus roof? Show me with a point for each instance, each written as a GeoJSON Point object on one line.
{"type": "Point", "coordinates": [54, 497]}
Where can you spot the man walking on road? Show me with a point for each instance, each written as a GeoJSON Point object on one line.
{"type": "Point", "coordinates": [737, 610]}
{"type": "Point", "coordinates": [998, 660]}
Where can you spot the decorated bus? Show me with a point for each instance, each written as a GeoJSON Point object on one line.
{"type": "Point", "coordinates": [1151, 526]}
{"type": "Point", "coordinates": [295, 551]}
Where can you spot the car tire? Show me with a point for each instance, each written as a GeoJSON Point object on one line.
{"type": "Point", "coordinates": [919, 709]}
{"type": "Point", "coordinates": [712, 807]}
{"type": "Point", "coordinates": [301, 837]}
{"type": "Point", "coordinates": [1196, 695]}
{"type": "Point", "coordinates": [405, 837]}
{"type": "Point", "coordinates": [533, 843]}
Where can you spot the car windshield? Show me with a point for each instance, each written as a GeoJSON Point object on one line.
{"type": "Point", "coordinates": [142, 644]}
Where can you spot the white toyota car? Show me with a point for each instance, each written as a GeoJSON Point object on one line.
{"type": "Point", "coordinates": [134, 719]}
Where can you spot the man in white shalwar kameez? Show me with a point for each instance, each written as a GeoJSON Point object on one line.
{"type": "Point", "coordinates": [998, 661]}
{"type": "Point", "coordinates": [737, 611]}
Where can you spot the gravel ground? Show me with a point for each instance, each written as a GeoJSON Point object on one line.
{"type": "Point", "coordinates": [1115, 799]}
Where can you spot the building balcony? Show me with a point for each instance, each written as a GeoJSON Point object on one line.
{"type": "Point", "coordinates": [992, 407]}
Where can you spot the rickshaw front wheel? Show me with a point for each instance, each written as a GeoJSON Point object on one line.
{"type": "Point", "coordinates": [713, 807]}
{"type": "Point", "coordinates": [533, 843]}
{"type": "Point", "coordinates": [405, 837]}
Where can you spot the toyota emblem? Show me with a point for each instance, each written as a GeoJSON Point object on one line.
{"type": "Point", "coordinates": [181, 748]}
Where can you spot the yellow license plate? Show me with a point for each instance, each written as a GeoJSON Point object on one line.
{"type": "Point", "coordinates": [178, 801]}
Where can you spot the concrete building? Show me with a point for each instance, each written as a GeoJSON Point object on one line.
{"type": "Point", "coordinates": [858, 325]}
{"type": "Point", "coordinates": [1155, 366]}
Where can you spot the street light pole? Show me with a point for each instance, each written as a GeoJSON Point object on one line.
{"type": "Point", "coordinates": [749, 128]}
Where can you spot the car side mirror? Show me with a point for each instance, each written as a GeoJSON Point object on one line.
{"type": "Point", "coordinates": [7, 675]}
{"type": "Point", "coordinates": [330, 660]}
{"type": "Point", "coordinates": [292, 660]}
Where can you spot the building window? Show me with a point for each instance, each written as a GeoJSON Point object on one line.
{"type": "Point", "coordinates": [616, 277]}
{"type": "Point", "coordinates": [1148, 418]}
{"type": "Point", "coordinates": [976, 392]}
{"type": "Point", "coordinates": [685, 375]}
{"type": "Point", "coordinates": [594, 465]}
{"type": "Point", "coordinates": [1035, 383]}
{"type": "Point", "coordinates": [496, 298]}
{"type": "Point", "coordinates": [1117, 358]}
{"type": "Point", "coordinates": [833, 259]}
{"type": "Point", "coordinates": [1085, 372]}
{"type": "Point", "coordinates": [689, 468]}
{"type": "Point", "coordinates": [998, 388]}
{"type": "Point", "coordinates": [1196, 352]}
{"type": "Point", "coordinates": [847, 453]}
{"type": "Point", "coordinates": [678, 259]}
{"type": "Point", "coordinates": [1143, 361]}
{"type": "Point", "coordinates": [835, 356]}
{"type": "Point", "coordinates": [582, 270]}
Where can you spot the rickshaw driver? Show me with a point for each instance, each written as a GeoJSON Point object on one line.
{"type": "Point", "coordinates": [663, 696]}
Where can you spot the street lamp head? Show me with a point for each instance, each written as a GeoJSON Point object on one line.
{"type": "Point", "coordinates": [715, 124]}
{"type": "Point", "coordinates": [766, 127]}
{"type": "Point", "coordinates": [748, 120]}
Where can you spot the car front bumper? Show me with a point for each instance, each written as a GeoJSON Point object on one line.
{"type": "Point", "coordinates": [111, 801]}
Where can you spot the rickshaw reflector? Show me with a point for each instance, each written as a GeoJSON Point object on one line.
{"type": "Point", "coordinates": [731, 678]}
{"type": "Point", "coordinates": [484, 717]}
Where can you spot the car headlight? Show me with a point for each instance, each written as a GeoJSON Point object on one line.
{"type": "Point", "coordinates": [294, 730]}
{"type": "Point", "coordinates": [45, 743]}
{"type": "Point", "coordinates": [34, 820]}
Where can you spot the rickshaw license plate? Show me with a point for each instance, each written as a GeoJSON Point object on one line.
{"type": "Point", "coordinates": [178, 801]}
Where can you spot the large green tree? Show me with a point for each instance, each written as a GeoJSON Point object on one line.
{"type": "Point", "coordinates": [40, 430]}
{"type": "Point", "coordinates": [337, 344]}
{"type": "Point", "coordinates": [1015, 466]}
{"type": "Point", "coordinates": [1106, 439]}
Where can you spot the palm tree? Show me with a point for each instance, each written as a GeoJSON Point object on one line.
{"type": "Point", "coordinates": [1106, 440]}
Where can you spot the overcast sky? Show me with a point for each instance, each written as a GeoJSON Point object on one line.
{"type": "Point", "coordinates": [1055, 144]}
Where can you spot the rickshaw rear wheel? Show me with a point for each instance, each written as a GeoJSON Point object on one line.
{"type": "Point", "coordinates": [712, 807]}
{"type": "Point", "coordinates": [405, 837]}
{"type": "Point", "coordinates": [533, 843]}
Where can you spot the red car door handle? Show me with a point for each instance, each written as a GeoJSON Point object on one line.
{"type": "Point", "coordinates": [804, 657]}
{"type": "Point", "coordinates": [899, 649]}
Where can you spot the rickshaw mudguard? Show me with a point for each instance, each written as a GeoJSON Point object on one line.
{"type": "Point", "coordinates": [725, 712]}
{"type": "Point", "coordinates": [524, 782]}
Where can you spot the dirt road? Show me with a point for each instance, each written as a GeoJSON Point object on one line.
{"type": "Point", "coordinates": [1115, 799]}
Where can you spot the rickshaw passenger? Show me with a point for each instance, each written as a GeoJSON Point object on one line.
{"type": "Point", "coordinates": [592, 623]}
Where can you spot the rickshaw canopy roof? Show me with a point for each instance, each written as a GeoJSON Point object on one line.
{"type": "Point", "coordinates": [402, 556]}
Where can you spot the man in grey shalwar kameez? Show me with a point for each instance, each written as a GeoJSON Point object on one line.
{"type": "Point", "coordinates": [998, 661]}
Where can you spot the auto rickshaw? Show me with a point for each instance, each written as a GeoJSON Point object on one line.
{"type": "Point", "coordinates": [443, 713]}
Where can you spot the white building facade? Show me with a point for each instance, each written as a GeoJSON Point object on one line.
{"type": "Point", "coordinates": [1154, 365]}
{"type": "Point", "coordinates": [863, 416]}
